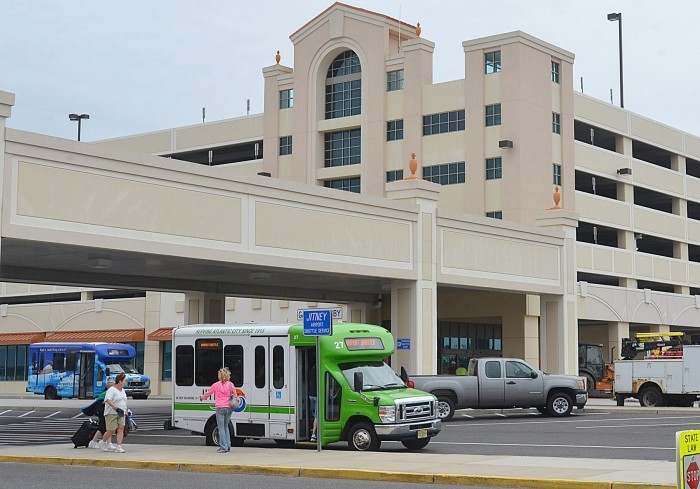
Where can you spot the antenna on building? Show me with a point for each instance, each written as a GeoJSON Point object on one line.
{"type": "Point", "coordinates": [204, 114]}
{"type": "Point", "coordinates": [581, 84]}
{"type": "Point", "coordinates": [247, 110]}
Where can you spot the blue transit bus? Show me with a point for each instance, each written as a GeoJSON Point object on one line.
{"type": "Point", "coordinates": [82, 370]}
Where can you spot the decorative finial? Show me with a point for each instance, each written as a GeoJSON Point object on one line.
{"type": "Point", "coordinates": [413, 166]}
{"type": "Point", "coordinates": [278, 57]}
{"type": "Point", "coordinates": [557, 198]}
{"type": "Point", "coordinates": [418, 29]}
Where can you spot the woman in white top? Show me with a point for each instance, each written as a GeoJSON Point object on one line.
{"type": "Point", "coordinates": [115, 414]}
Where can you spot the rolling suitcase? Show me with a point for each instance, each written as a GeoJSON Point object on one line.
{"type": "Point", "coordinates": [87, 430]}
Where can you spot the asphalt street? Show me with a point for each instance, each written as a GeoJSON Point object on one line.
{"type": "Point", "coordinates": [512, 432]}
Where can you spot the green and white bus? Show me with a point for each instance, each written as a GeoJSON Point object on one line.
{"type": "Point", "coordinates": [361, 399]}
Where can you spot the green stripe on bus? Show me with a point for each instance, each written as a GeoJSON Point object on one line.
{"type": "Point", "coordinates": [248, 408]}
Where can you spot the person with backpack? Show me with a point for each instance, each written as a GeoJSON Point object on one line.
{"type": "Point", "coordinates": [223, 391]}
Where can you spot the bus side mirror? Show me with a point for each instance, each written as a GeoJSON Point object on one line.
{"type": "Point", "coordinates": [404, 374]}
{"type": "Point", "coordinates": [358, 381]}
{"type": "Point", "coordinates": [107, 372]}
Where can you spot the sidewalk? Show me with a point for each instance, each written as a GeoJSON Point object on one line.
{"type": "Point", "coordinates": [387, 465]}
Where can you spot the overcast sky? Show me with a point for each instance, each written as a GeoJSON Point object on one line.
{"type": "Point", "coordinates": [146, 65]}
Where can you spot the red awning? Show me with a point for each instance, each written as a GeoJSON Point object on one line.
{"type": "Point", "coordinates": [162, 334]}
{"type": "Point", "coordinates": [21, 338]}
{"type": "Point", "coordinates": [108, 336]}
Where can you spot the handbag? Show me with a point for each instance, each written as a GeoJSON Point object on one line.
{"type": "Point", "coordinates": [234, 402]}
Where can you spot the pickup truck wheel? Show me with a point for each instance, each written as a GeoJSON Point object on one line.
{"type": "Point", "coordinates": [445, 408]}
{"type": "Point", "coordinates": [363, 438]}
{"type": "Point", "coordinates": [416, 444]}
{"type": "Point", "coordinates": [560, 404]}
{"type": "Point", "coordinates": [651, 397]}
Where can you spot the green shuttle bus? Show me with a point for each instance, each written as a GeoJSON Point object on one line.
{"type": "Point", "coordinates": [361, 399]}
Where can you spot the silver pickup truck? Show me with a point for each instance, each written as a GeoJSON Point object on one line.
{"type": "Point", "coordinates": [499, 383]}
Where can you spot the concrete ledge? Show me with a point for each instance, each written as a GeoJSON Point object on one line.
{"type": "Point", "coordinates": [332, 473]}
{"type": "Point", "coordinates": [368, 475]}
{"type": "Point", "coordinates": [492, 481]}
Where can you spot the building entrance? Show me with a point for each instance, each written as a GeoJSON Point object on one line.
{"type": "Point", "coordinates": [458, 342]}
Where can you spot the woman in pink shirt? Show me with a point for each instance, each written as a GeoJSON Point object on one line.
{"type": "Point", "coordinates": [222, 390]}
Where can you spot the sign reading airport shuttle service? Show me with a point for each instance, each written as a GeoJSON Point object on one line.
{"type": "Point", "coordinates": [688, 458]}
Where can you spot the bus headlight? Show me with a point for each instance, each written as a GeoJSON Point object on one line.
{"type": "Point", "coordinates": [387, 414]}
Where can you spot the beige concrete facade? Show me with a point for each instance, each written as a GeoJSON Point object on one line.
{"type": "Point", "coordinates": [411, 254]}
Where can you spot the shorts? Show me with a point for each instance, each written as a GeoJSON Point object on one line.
{"type": "Point", "coordinates": [314, 405]}
{"type": "Point", "coordinates": [112, 422]}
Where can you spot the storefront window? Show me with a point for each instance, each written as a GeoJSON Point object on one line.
{"type": "Point", "coordinates": [458, 342]}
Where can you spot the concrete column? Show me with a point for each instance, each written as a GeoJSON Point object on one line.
{"type": "Point", "coordinates": [152, 354]}
{"type": "Point", "coordinates": [86, 295]}
{"type": "Point", "coordinates": [7, 100]}
{"type": "Point", "coordinates": [558, 312]}
{"type": "Point", "coordinates": [271, 115]}
{"type": "Point", "coordinates": [414, 303]}
{"type": "Point", "coordinates": [418, 72]}
{"type": "Point", "coordinates": [616, 331]}
{"type": "Point", "coordinates": [659, 328]}
{"type": "Point", "coordinates": [204, 308]}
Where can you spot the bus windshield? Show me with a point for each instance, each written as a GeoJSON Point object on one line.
{"type": "Point", "coordinates": [118, 368]}
{"type": "Point", "coordinates": [375, 376]}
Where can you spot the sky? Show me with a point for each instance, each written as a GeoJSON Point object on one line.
{"type": "Point", "coordinates": [145, 65]}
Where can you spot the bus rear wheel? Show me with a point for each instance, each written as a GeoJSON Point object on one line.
{"type": "Point", "coordinates": [50, 393]}
{"type": "Point", "coordinates": [363, 438]}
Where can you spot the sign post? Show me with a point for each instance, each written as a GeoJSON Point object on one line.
{"type": "Point", "coordinates": [318, 322]}
{"type": "Point", "coordinates": [688, 458]}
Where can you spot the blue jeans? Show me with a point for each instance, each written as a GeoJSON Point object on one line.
{"type": "Point", "coordinates": [223, 416]}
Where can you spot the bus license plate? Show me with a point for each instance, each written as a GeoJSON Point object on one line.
{"type": "Point", "coordinates": [422, 433]}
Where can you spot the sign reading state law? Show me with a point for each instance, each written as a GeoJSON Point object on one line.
{"type": "Point", "coordinates": [688, 458]}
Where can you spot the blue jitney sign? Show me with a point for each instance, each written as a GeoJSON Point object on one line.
{"type": "Point", "coordinates": [317, 322]}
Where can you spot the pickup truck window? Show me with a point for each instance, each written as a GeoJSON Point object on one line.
{"type": "Point", "coordinates": [493, 370]}
{"type": "Point", "coordinates": [517, 370]}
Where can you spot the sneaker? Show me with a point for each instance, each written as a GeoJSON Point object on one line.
{"type": "Point", "coordinates": [221, 450]}
{"type": "Point", "coordinates": [100, 445]}
{"type": "Point", "coordinates": [93, 444]}
{"type": "Point", "coordinates": [119, 449]}
{"type": "Point", "coordinates": [109, 448]}
{"type": "Point", "coordinates": [313, 437]}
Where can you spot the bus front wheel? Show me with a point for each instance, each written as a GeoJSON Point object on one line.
{"type": "Point", "coordinates": [50, 393]}
{"type": "Point", "coordinates": [363, 438]}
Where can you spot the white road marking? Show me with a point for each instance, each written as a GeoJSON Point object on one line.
{"type": "Point", "coordinates": [53, 414]}
{"type": "Point", "coordinates": [529, 445]}
{"type": "Point", "coordinates": [23, 415]}
{"type": "Point", "coordinates": [635, 425]}
{"type": "Point", "coordinates": [5, 412]}
{"type": "Point", "coordinates": [577, 420]}
{"type": "Point", "coordinates": [81, 415]}
{"type": "Point", "coordinates": [501, 414]}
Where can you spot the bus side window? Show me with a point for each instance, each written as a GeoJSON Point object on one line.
{"type": "Point", "coordinates": [333, 397]}
{"type": "Point", "coordinates": [184, 365]}
{"type": "Point", "coordinates": [233, 360]}
{"type": "Point", "coordinates": [59, 362]}
{"type": "Point", "coordinates": [208, 360]}
{"type": "Point", "coordinates": [260, 367]}
{"type": "Point", "coordinates": [72, 361]}
{"type": "Point", "coordinates": [278, 367]}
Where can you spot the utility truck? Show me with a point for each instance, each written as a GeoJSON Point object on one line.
{"type": "Point", "coordinates": [361, 399]}
{"type": "Point", "coordinates": [499, 383]}
{"type": "Point", "coordinates": [662, 378]}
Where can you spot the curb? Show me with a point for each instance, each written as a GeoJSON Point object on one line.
{"type": "Point", "coordinates": [326, 473]}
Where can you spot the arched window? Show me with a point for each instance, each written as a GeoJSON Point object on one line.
{"type": "Point", "coordinates": [344, 86]}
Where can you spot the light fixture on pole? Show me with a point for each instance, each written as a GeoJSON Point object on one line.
{"type": "Point", "coordinates": [79, 118]}
{"type": "Point", "coordinates": [612, 18]}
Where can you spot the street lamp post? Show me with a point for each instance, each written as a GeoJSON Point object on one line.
{"type": "Point", "coordinates": [612, 18]}
{"type": "Point", "coordinates": [79, 118]}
